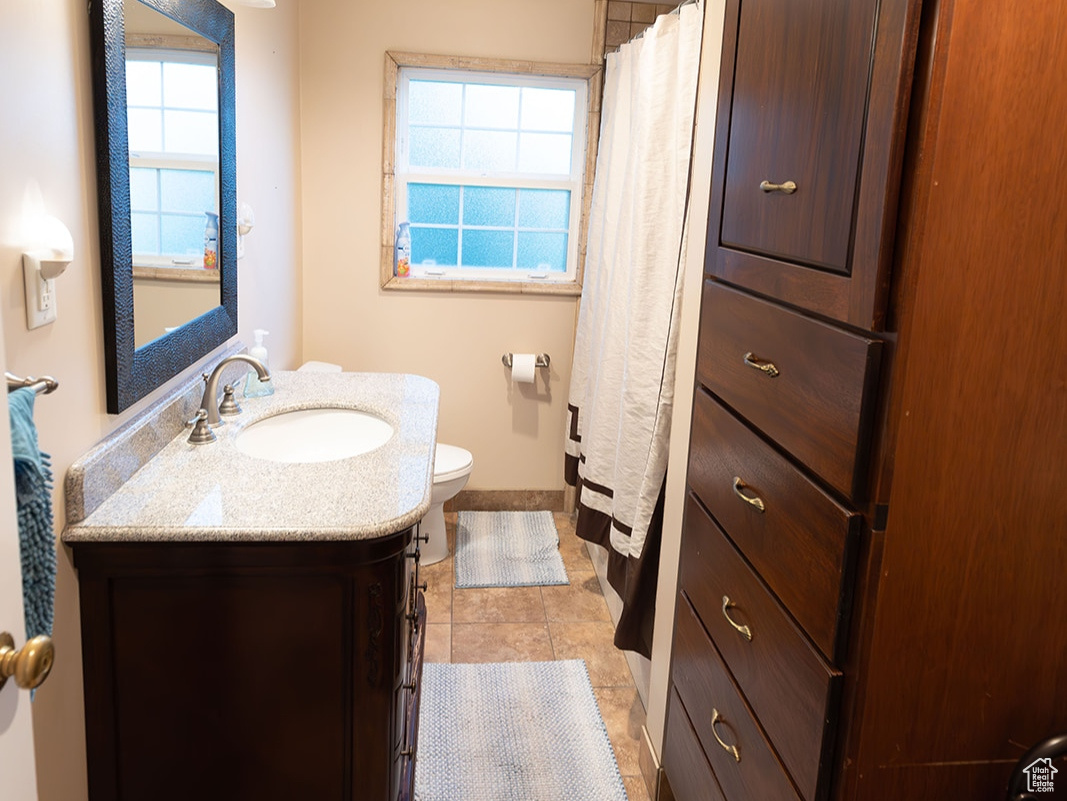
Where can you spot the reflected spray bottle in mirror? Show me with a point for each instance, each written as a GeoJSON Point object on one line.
{"type": "Point", "coordinates": [211, 241]}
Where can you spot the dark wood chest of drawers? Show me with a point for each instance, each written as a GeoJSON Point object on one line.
{"type": "Point", "coordinates": [871, 504]}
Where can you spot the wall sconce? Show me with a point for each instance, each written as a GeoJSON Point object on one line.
{"type": "Point", "coordinates": [51, 249]}
{"type": "Point", "coordinates": [256, 3]}
{"type": "Point", "coordinates": [246, 221]}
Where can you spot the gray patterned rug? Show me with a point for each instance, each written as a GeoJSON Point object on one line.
{"type": "Point", "coordinates": [507, 549]}
{"type": "Point", "coordinates": [522, 731]}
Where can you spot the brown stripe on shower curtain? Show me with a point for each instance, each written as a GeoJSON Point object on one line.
{"type": "Point", "coordinates": [633, 578]}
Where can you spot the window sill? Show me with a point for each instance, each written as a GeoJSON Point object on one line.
{"type": "Point", "coordinates": [474, 286]}
{"type": "Point", "coordinates": [196, 275]}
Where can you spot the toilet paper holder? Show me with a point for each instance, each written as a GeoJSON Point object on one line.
{"type": "Point", "coordinates": [542, 360]}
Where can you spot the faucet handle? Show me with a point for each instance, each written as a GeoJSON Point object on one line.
{"type": "Point", "coordinates": [202, 433]}
{"type": "Point", "coordinates": [229, 405]}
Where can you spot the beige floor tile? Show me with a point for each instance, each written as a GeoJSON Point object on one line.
{"type": "Point", "coordinates": [581, 600]}
{"type": "Point", "coordinates": [635, 788]}
{"type": "Point", "coordinates": [571, 547]}
{"type": "Point", "coordinates": [438, 642]}
{"type": "Point", "coordinates": [623, 715]}
{"type": "Point", "coordinates": [439, 582]}
{"type": "Point", "coordinates": [500, 642]}
{"type": "Point", "coordinates": [593, 643]}
{"type": "Point", "coordinates": [498, 605]}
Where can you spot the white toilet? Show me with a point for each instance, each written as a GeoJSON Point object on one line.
{"type": "Point", "coordinates": [451, 469]}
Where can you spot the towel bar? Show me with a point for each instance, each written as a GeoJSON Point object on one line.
{"type": "Point", "coordinates": [45, 383]}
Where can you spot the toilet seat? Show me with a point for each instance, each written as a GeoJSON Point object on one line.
{"type": "Point", "coordinates": [451, 462]}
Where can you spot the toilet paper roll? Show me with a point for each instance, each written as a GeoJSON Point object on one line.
{"type": "Point", "coordinates": [523, 366]}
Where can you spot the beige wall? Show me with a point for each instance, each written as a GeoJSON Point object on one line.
{"type": "Point", "coordinates": [516, 436]}
{"type": "Point", "coordinates": [163, 304]}
{"type": "Point", "coordinates": [46, 140]}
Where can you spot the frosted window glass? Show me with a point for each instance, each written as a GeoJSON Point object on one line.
{"type": "Point", "coordinates": [433, 147]}
{"type": "Point", "coordinates": [428, 203]}
{"type": "Point", "coordinates": [190, 86]}
{"type": "Point", "coordinates": [191, 132]}
{"type": "Point", "coordinates": [488, 248]}
{"type": "Point", "coordinates": [182, 234]}
{"type": "Point", "coordinates": [545, 153]}
{"type": "Point", "coordinates": [143, 83]}
{"type": "Point", "coordinates": [187, 190]}
{"type": "Point", "coordinates": [544, 208]}
{"type": "Point", "coordinates": [144, 189]}
{"type": "Point", "coordinates": [489, 151]}
{"type": "Point", "coordinates": [433, 103]}
{"type": "Point", "coordinates": [434, 246]}
{"type": "Point", "coordinates": [491, 107]}
{"type": "Point", "coordinates": [484, 205]}
{"type": "Point", "coordinates": [542, 251]}
{"type": "Point", "coordinates": [145, 230]}
{"type": "Point", "coordinates": [548, 110]}
{"type": "Point", "coordinates": [145, 129]}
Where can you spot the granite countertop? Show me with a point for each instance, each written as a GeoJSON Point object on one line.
{"type": "Point", "coordinates": [215, 493]}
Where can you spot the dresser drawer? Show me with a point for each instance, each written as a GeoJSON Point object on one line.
{"type": "Point", "coordinates": [801, 543]}
{"type": "Point", "coordinates": [684, 761]}
{"type": "Point", "coordinates": [721, 717]}
{"type": "Point", "coordinates": [786, 682]}
{"type": "Point", "coordinates": [818, 405]}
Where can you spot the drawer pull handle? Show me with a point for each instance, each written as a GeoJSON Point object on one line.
{"type": "Point", "coordinates": [751, 500]}
{"type": "Point", "coordinates": [727, 605]}
{"type": "Point", "coordinates": [730, 749]}
{"type": "Point", "coordinates": [788, 188]}
{"type": "Point", "coordinates": [767, 368]}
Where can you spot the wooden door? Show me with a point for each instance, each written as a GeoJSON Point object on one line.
{"type": "Point", "coordinates": [813, 92]}
{"type": "Point", "coordinates": [17, 772]}
{"type": "Point", "coordinates": [800, 87]}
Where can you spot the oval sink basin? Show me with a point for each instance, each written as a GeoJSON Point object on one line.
{"type": "Point", "coordinates": [314, 435]}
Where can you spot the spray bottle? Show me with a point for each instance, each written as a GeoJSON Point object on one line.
{"type": "Point", "coordinates": [403, 251]}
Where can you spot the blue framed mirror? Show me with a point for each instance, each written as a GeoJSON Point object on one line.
{"type": "Point", "coordinates": [163, 96]}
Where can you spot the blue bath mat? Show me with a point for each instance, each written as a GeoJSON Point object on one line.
{"type": "Point", "coordinates": [513, 732]}
{"type": "Point", "coordinates": [507, 549]}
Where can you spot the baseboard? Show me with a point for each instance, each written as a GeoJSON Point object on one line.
{"type": "Point", "coordinates": [649, 765]}
{"type": "Point", "coordinates": [507, 501]}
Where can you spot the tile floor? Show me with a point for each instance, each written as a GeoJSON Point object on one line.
{"type": "Point", "coordinates": [534, 624]}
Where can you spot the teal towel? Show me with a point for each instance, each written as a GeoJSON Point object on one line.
{"type": "Point", "coordinates": [33, 493]}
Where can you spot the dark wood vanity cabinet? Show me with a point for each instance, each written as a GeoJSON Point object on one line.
{"type": "Point", "coordinates": [873, 543]}
{"type": "Point", "coordinates": [251, 670]}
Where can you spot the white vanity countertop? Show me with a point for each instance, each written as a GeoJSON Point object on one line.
{"type": "Point", "coordinates": [215, 493]}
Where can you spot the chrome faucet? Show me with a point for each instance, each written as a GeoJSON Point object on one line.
{"type": "Point", "coordinates": [211, 390]}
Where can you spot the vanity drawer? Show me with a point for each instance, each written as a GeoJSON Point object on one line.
{"type": "Point", "coordinates": [801, 543]}
{"type": "Point", "coordinates": [787, 683]}
{"type": "Point", "coordinates": [722, 719]}
{"type": "Point", "coordinates": [684, 761]}
{"type": "Point", "coordinates": [818, 406]}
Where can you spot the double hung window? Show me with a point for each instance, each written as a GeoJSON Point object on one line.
{"type": "Point", "coordinates": [489, 175]}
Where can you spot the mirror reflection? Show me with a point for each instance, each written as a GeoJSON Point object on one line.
{"type": "Point", "coordinates": [172, 96]}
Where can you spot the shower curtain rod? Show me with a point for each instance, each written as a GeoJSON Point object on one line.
{"type": "Point", "coordinates": [673, 11]}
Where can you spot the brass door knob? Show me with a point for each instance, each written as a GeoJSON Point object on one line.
{"type": "Point", "coordinates": [29, 665]}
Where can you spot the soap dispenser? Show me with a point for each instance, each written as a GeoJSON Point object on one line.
{"type": "Point", "coordinates": [254, 388]}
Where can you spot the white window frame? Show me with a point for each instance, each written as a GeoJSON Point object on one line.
{"type": "Point", "coordinates": [584, 79]}
{"type": "Point", "coordinates": [156, 49]}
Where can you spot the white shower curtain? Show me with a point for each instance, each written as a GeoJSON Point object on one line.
{"type": "Point", "coordinates": [623, 374]}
